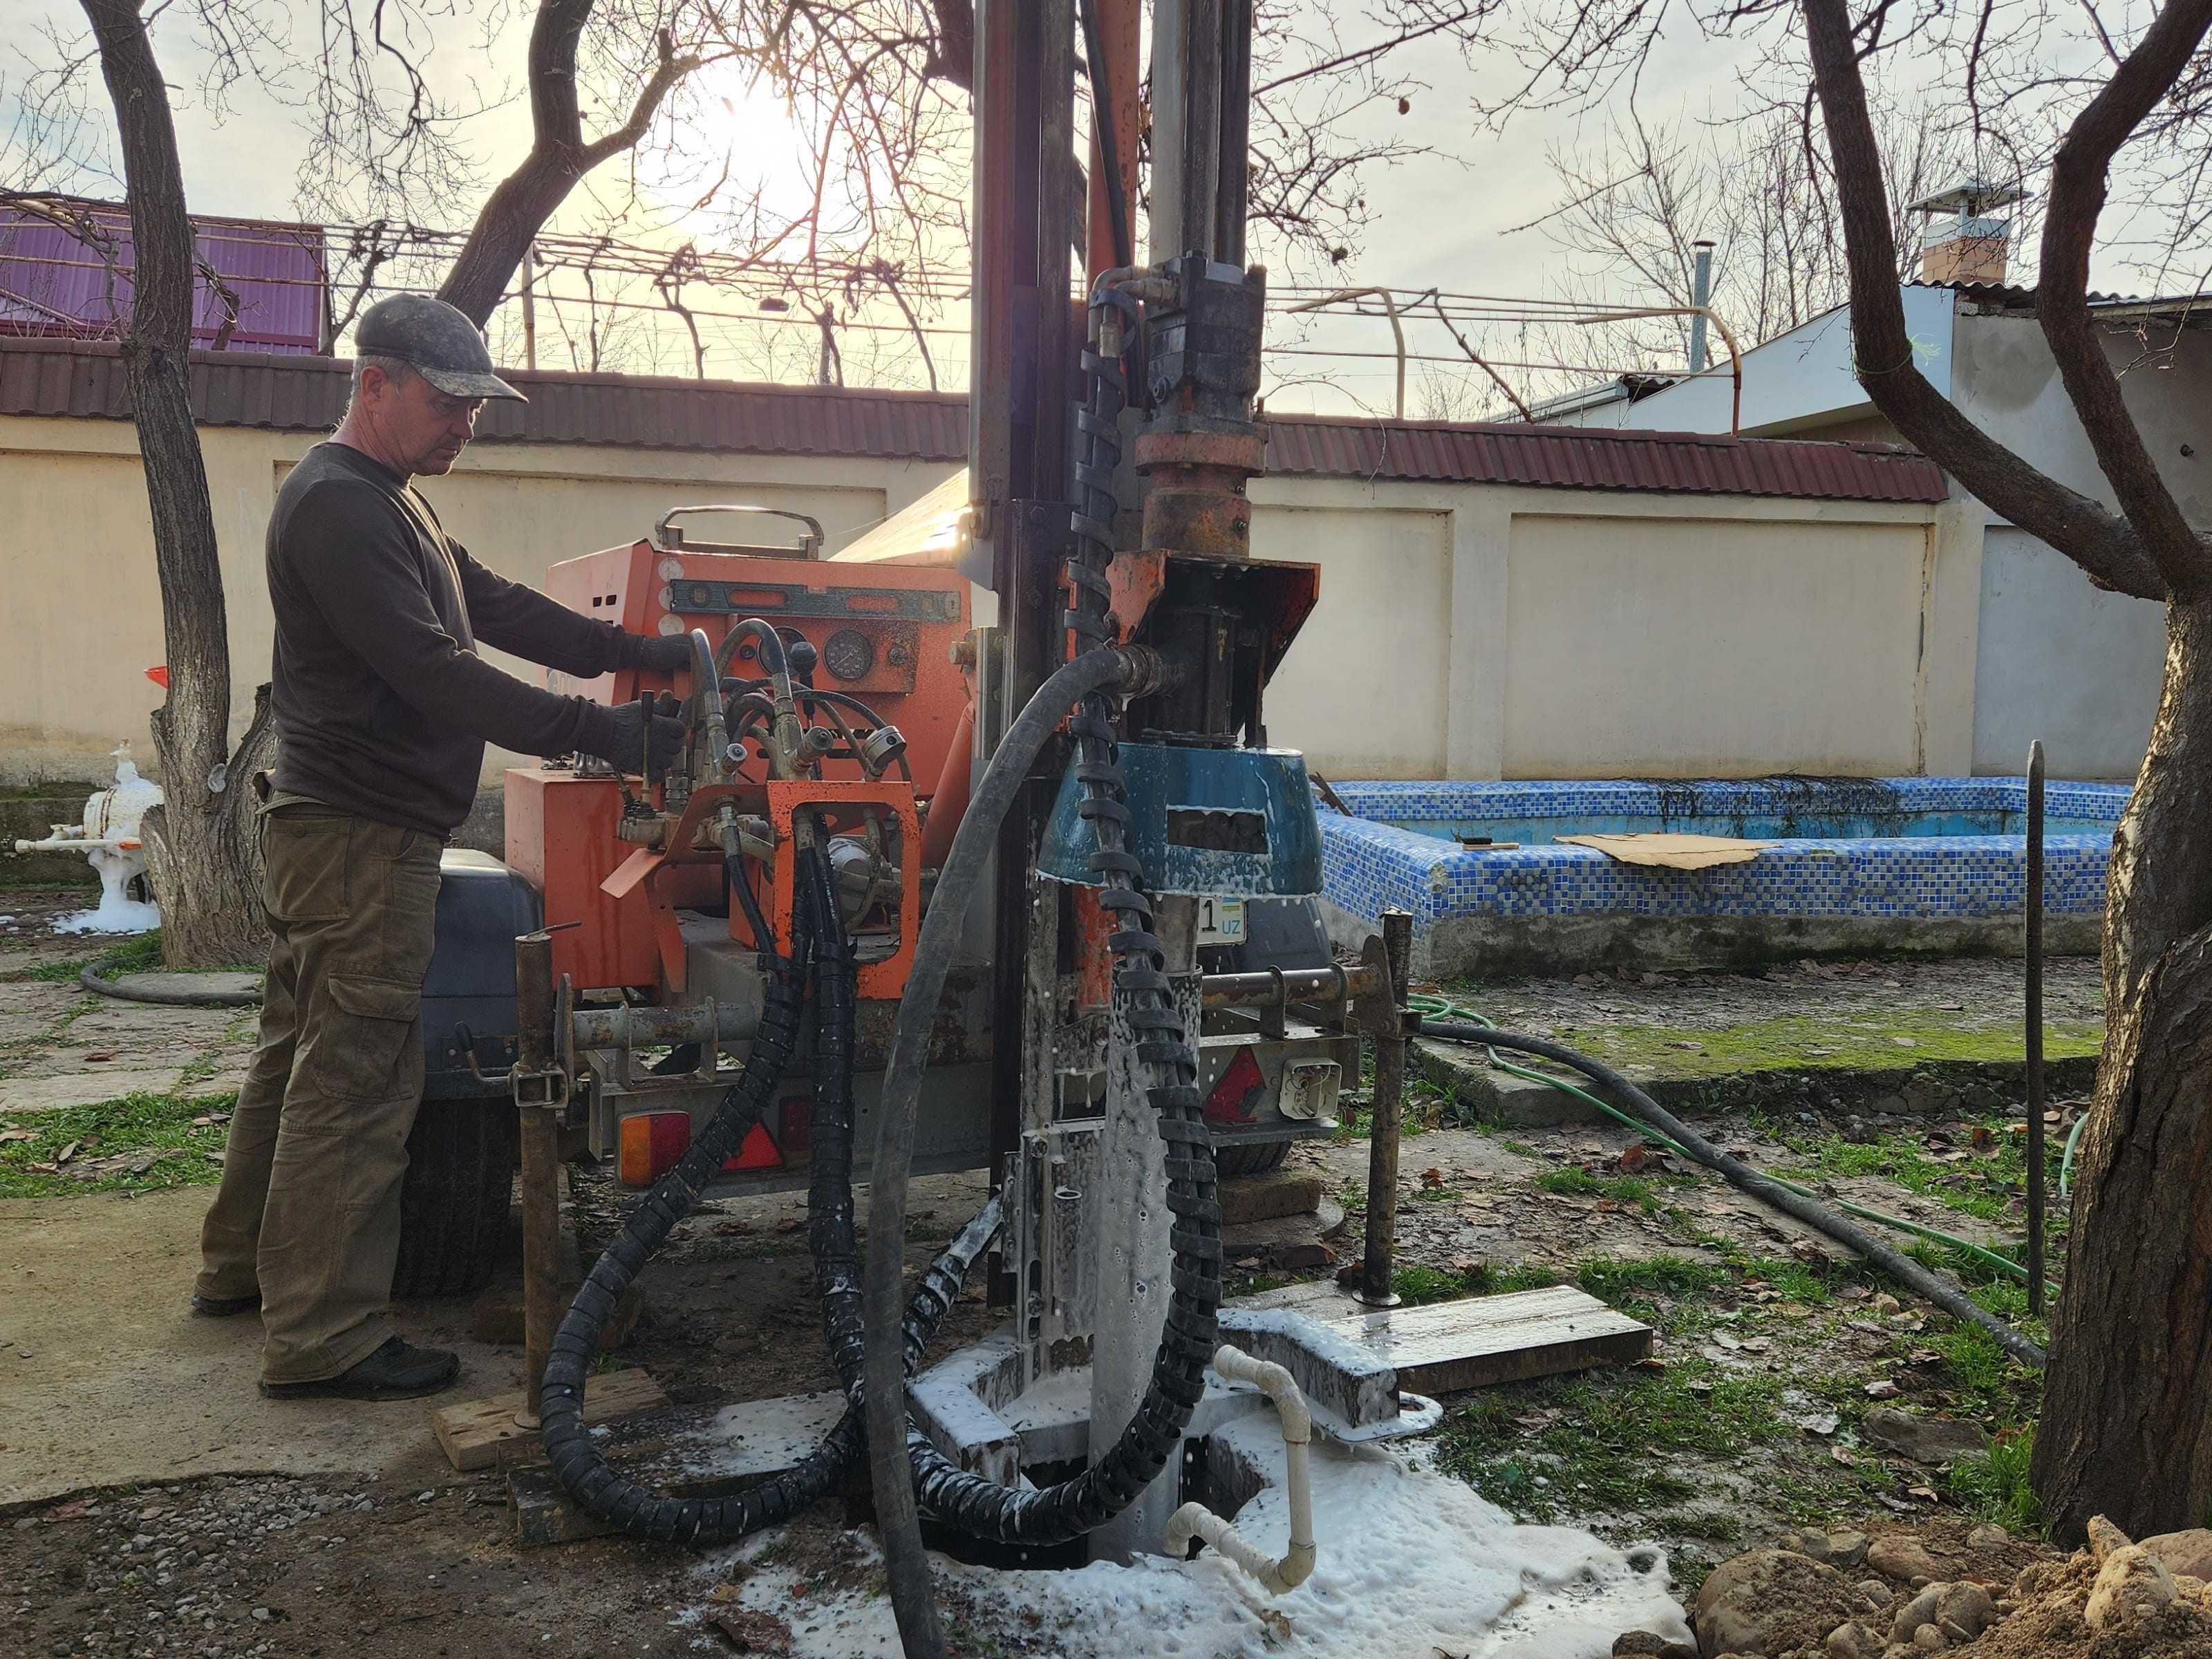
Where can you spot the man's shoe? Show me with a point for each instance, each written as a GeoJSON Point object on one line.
{"type": "Point", "coordinates": [398, 1370]}
{"type": "Point", "coordinates": [224, 1306]}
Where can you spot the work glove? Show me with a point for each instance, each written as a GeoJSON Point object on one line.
{"type": "Point", "coordinates": [639, 739]}
{"type": "Point", "coordinates": [659, 653]}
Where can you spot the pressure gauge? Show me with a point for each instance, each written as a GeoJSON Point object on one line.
{"type": "Point", "coordinates": [849, 654]}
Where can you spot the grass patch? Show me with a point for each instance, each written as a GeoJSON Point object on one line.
{"type": "Point", "coordinates": [158, 1128]}
{"type": "Point", "coordinates": [1416, 1285]}
{"type": "Point", "coordinates": [1996, 1487]}
{"type": "Point", "coordinates": [1621, 1189]}
{"type": "Point", "coordinates": [1602, 1443]}
{"type": "Point", "coordinates": [1857, 1039]}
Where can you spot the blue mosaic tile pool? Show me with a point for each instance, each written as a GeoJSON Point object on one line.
{"type": "Point", "coordinates": [1945, 852]}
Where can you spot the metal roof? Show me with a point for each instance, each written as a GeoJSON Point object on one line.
{"type": "Point", "coordinates": [1601, 457]}
{"type": "Point", "coordinates": [86, 378]}
{"type": "Point", "coordinates": [52, 283]}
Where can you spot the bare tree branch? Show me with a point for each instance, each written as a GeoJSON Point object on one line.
{"type": "Point", "coordinates": [2105, 544]}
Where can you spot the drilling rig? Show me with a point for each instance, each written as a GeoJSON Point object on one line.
{"type": "Point", "coordinates": [1036, 896]}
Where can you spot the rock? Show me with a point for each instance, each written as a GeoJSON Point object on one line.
{"type": "Point", "coordinates": [1878, 1595]}
{"type": "Point", "coordinates": [1988, 1536]}
{"type": "Point", "coordinates": [2104, 1539]}
{"type": "Point", "coordinates": [1902, 1560]}
{"type": "Point", "coordinates": [1769, 1602]}
{"type": "Point", "coordinates": [2132, 1586]}
{"type": "Point", "coordinates": [2184, 1554]}
{"type": "Point", "coordinates": [1649, 1644]}
{"type": "Point", "coordinates": [1956, 1612]}
{"type": "Point", "coordinates": [1847, 1549]}
{"type": "Point", "coordinates": [1928, 1639]}
{"type": "Point", "coordinates": [1851, 1641]}
{"type": "Point", "coordinates": [1932, 1440]}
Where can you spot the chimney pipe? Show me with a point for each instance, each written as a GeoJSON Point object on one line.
{"type": "Point", "coordinates": [1701, 293]}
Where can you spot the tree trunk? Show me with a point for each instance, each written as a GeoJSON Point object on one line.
{"type": "Point", "coordinates": [2125, 1432]}
{"type": "Point", "coordinates": [200, 857]}
{"type": "Point", "coordinates": [514, 213]}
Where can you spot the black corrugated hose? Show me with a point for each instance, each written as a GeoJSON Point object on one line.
{"type": "Point", "coordinates": [1167, 1059]}
{"type": "Point", "coordinates": [1815, 1214]}
{"type": "Point", "coordinates": [569, 1446]}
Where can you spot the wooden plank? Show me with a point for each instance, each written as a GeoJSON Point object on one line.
{"type": "Point", "coordinates": [1478, 1341]}
{"type": "Point", "coordinates": [472, 1433]}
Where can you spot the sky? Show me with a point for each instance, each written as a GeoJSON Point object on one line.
{"type": "Point", "coordinates": [1446, 220]}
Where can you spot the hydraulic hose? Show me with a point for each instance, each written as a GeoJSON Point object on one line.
{"type": "Point", "coordinates": [567, 1444]}
{"type": "Point", "coordinates": [829, 1235]}
{"type": "Point", "coordinates": [1167, 1062]}
{"type": "Point", "coordinates": [897, 1517]}
{"type": "Point", "coordinates": [1789, 1199]}
{"type": "Point", "coordinates": [92, 977]}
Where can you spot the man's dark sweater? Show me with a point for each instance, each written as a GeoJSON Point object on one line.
{"type": "Point", "coordinates": [383, 707]}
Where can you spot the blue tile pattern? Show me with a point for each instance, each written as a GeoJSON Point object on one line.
{"type": "Point", "coordinates": [1373, 865]}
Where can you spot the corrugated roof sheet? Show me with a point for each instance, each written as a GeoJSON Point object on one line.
{"type": "Point", "coordinates": [85, 379]}
{"type": "Point", "coordinates": [53, 283]}
{"type": "Point", "coordinates": [1594, 457]}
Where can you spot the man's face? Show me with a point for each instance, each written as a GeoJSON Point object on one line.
{"type": "Point", "coordinates": [423, 429]}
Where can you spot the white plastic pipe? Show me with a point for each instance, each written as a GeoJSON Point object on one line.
{"type": "Point", "coordinates": [1196, 1520]}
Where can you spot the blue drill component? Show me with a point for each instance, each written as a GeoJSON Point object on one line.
{"type": "Point", "coordinates": [1238, 821]}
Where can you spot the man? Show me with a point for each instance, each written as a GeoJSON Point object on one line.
{"type": "Point", "coordinates": [383, 709]}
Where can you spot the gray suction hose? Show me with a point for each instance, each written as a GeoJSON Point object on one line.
{"type": "Point", "coordinates": [898, 1515]}
{"type": "Point", "coordinates": [93, 977]}
{"type": "Point", "coordinates": [1763, 1187]}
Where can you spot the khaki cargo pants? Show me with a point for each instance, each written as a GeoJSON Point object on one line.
{"type": "Point", "coordinates": [308, 1212]}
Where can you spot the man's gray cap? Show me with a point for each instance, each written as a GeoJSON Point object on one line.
{"type": "Point", "coordinates": [437, 340]}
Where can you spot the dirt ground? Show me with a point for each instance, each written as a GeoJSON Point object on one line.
{"type": "Point", "coordinates": [151, 1504]}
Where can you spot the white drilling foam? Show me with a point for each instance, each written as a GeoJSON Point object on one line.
{"type": "Point", "coordinates": [117, 911]}
{"type": "Point", "coordinates": [1410, 1561]}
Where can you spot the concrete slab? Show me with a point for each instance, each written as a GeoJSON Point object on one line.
{"type": "Point", "coordinates": [25, 1094]}
{"type": "Point", "coordinates": [1493, 1096]}
{"type": "Point", "coordinates": [109, 1377]}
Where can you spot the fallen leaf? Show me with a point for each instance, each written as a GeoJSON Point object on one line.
{"type": "Point", "coordinates": [734, 1226]}
{"type": "Point", "coordinates": [1906, 1042]}
{"type": "Point", "coordinates": [67, 1153]}
{"type": "Point", "coordinates": [1651, 1362]}
{"type": "Point", "coordinates": [9, 1134]}
{"type": "Point", "coordinates": [1463, 1264]}
{"type": "Point", "coordinates": [1925, 1357]}
{"type": "Point", "coordinates": [1633, 1158]}
{"type": "Point", "coordinates": [1883, 1389]}
{"type": "Point", "coordinates": [1843, 1454]}
{"type": "Point", "coordinates": [1758, 1345]}
{"type": "Point", "coordinates": [72, 1510]}
{"type": "Point", "coordinates": [790, 1223]}
{"type": "Point", "coordinates": [1926, 1494]}
{"type": "Point", "coordinates": [1984, 1141]}
{"type": "Point", "coordinates": [110, 1055]}
{"type": "Point", "coordinates": [1248, 1262]}
{"type": "Point", "coordinates": [1433, 1178]}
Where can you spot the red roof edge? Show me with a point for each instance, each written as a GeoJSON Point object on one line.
{"type": "Point", "coordinates": [81, 378]}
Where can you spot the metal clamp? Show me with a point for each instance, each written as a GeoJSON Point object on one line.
{"type": "Point", "coordinates": [547, 1090]}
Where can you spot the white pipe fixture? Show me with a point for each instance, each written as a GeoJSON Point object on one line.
{"type": "Point", "coordinates": [1196, 1520]}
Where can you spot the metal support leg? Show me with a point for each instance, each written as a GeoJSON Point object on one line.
{"type": "Point", "coordinates": [1387, 1025]}
{"type": "Point", "coordinates": [541, 1161]}
{"type": "Point", "coordinates": [2035, 1090]}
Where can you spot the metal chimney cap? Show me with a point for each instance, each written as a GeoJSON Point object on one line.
{"type": "Point", "coordinates": [1970, 197]}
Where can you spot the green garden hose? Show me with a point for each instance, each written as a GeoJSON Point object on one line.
{"type": "Point", "coordinates": [1445, 1008]}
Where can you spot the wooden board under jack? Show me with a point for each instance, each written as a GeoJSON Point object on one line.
{"type": "Point", "coordinates": [473, 1433]}
{"type": "Point", "coordinates": [1476, 1342]}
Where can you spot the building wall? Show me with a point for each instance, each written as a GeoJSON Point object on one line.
{"type": "Point", "coordinates": [1465, 630]}
{"type": "Point", "coordinates": [77, 544]}
{"type": "Point", "coordinates": [1589, 633]}
{"type": "Point", "coordinates": [2059, 658]}
{"type": "Point", "coordinates": [2063, 661]}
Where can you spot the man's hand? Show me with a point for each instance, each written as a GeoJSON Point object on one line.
{"type": "Point", "coordinates": [663, 653]}
{"type": "Point", "coordinates": [620, 738]}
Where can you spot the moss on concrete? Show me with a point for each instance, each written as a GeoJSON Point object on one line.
{"type": "Point", "coordinates": [1859, 1040]}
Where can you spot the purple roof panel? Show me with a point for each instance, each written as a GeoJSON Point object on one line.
{"type": "Point", "coordinates": [56, 284]}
